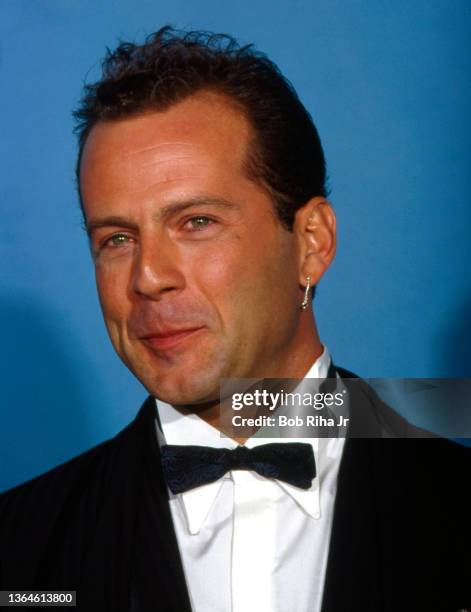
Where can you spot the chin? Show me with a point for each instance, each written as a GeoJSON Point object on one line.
{"type": "Point", "coordinates": [184, 390]}
{"type": "Point", "coordinates": [181, 380]}
{"type": "Point", "coordinates": [193, 396]}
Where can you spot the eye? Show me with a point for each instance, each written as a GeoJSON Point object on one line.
{"type": "Point", "coordinates": [117, 240]}
{"type": "Point", "coordinates": [198, 223]}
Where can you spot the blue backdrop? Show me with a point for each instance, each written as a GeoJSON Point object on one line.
{"type": "Point", "coordinates": [388, 86]}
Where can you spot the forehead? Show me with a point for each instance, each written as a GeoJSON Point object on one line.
{"type": "Point", "coordinates": [203, 137]}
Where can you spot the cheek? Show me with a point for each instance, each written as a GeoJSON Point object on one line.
{"type": "Point", "coordinates": [112, 285]}
{"type": "Point", "coordinates": [211, 278]}
{"type": "Point", "coordinates": [246, 277]}
{"type": "Point", "coordinates": [219, 269]}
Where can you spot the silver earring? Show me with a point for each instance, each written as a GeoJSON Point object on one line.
{"type": "Point", "coordinates": [305, 302]}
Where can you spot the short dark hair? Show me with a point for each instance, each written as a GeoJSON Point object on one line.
{"type": "Point", "coordinates": [286, 155]}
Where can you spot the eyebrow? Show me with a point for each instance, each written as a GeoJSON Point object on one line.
{"type": "Point", "coordinates": [163, 214]}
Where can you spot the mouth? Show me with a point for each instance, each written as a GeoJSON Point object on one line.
{"type": "Point", "coordinates": [170, 339]}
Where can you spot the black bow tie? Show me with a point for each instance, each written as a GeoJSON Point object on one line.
{"type": "Point", "coordinates": [187, 467]}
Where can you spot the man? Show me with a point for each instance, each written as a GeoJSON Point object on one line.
{"type": "Point", "coordinates": [202, 183]}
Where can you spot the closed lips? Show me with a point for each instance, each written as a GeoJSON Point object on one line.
{"type": "Point", "coordinates": [163, 339]}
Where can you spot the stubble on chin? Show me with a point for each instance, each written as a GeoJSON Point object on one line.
{"type": "Point", "coordinates": [194, 387]}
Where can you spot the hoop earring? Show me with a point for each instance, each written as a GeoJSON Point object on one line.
{"type": "Point", "coordinates": [305, 302]}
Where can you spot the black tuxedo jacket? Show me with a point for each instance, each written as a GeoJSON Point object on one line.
{"type": "Point", "coordinates": [100, 524]}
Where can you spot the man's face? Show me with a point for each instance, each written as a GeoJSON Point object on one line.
{"type": "Point", "coordinates": [197, 278]}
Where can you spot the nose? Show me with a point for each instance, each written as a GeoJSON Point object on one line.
{"type": "Point", "coordinates": [157, 268]}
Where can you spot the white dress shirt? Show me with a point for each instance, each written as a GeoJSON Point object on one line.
{"type": "Point", "coordinates": [249, 543]}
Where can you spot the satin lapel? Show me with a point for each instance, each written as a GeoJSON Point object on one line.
{"type": "Point", "coordinates": [159, 581]}
{"type": "Point", "coordinates": [105, 579]}
{"type": "Point", "coordinates": [352, 578]}
{"type": "Point", "coordinates": [353, 569]}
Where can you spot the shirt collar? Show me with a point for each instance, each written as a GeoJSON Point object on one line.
{"type": "Point", "coordinates": [191, 429]}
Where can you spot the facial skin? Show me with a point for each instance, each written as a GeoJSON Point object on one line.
{"type": "Point", "coordinates": [197, 278]}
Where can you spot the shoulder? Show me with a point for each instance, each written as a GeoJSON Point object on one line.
{"type": "Point", "coordinates": [418, 448]}
{"type": "Point", "coordinates": [59, 495]}
{"type": "Point", "coordinates": [39, 501]}
{"type": "Point", "coordinates": [84, 468]}
{"type": "Point", "coordinates": [46, 517]}
{"type": "Point", "coordinates": [427, 470]}
{"type": "Point", "coordinates": [33, 513]}
{"type": "Point", "coordinates": [371, 416]}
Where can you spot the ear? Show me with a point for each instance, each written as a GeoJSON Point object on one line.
{"type": "Point", "coordinates": [315, 231]}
